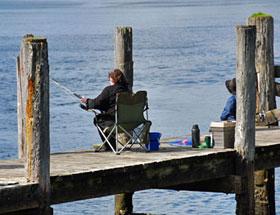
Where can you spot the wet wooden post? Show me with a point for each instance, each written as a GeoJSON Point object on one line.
{"type": "Point", "coordinates": [33, 98]}
{"type": "Point", "coordinates": [124, 62]}
{"type": "Point", "coordinates": [264, 179]}
{"type": "Point", "coordinates": [123, 53]}
{"type": "Point", "coordinates": [245, 117]}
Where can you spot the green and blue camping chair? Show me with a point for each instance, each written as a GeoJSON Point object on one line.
{"type": "Point", "coordinates": [131, 122]}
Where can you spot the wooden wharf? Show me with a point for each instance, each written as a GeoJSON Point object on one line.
{"type": "Point", "coordinates": [87, 174]}
{"type": "Point", "coordinates": [38, 179]}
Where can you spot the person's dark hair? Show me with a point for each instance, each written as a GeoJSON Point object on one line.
{"type": "Point", "coordinates": [118, 77]}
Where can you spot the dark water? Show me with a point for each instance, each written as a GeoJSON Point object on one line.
{"type": "Point", "coordinates": [183, 52]}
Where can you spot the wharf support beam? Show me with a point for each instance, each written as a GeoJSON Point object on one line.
{"type": "Point", "coordinates": [218, 168]}
{"type": "Point", "coordinates": [228, 184]}
{"type": "Point", "coordinates": [245, 117]}
{"type": "Point", "coordinates": [33, 115]}
{"type": "Point", "coordinates": [124, 62]}
{"type": "Point", "coordinates": [141, 177]}
{"type": "Point", "coordinates": [123, 203]}
{"type": "Point", "coordinates": [267, 156]}
{"type": "Point", "coordinates": [123, 53]}
{"type": "Point", "coordinates": [266, 91]}
{"type": "Point", "coordinates": [264, 61]}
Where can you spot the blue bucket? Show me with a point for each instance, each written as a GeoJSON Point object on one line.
{"type": "Point", "coordinates": [154, 136]}
{"type": "Point", "coordinates": [154, 141]}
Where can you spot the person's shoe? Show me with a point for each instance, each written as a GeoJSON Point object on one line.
{"type": "Point", "coordinates": [98, 148]}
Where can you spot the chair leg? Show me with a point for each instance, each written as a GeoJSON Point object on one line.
{"type": "Point", "coordinates": [117, 141]}
{"type": "Point", "coordinates": [138, 139]}
{"type": "Point", "coordinates": [127, 142]}
{"type": "Point", "coordinates": [141, 138]}
{"type": "Point", "coordinates": [106, 139]}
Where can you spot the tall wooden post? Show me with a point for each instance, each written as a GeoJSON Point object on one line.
{"type": "Point", "coordinates": [245, 117]}
{"type": "Point", "coordinates": [123, 53]}
{"type": "Point", "coordinates": [264, 179]}
{"type": "Point", "coordinates": [264, 61]}
{"type": "Point", "coordinates": [33, 94]}
{"type": "Point", "coordinates": [124, 62]}
{"type": "Point", "coordinates": [123, 204]}
{"type": "Point", "coordinates": [20, 112]}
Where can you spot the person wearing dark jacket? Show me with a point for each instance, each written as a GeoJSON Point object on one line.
{"type": "Point", "coordinates": [229, 112]}
{"type": "Point", "coordinates": [105, 102]}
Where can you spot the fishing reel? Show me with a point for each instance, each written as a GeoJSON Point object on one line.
{"type": "Point", "coordinates": [83, 106]}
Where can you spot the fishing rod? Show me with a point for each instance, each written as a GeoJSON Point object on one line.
{"type": "Point", "coordinates": [66, 89]}
{"type": "Point", "coordinates": [70, 92]}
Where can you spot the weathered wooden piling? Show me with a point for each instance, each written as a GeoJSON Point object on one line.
{"type": "Point", "coordinates": [264, 61]}
{"type": "Point", "coordinates": [124, 62]}
{"type": "Point", "coordinates": [264, 179]}
{"type": "Point", "coordinates": [21, 139]}
{"type": "Point", "coordinates": [123, 52]}
{"type": "Point", "coordinates": [33, 107]}
{"type": "Point", "coordinates": [123, 204]}
{"type": "Point", "coordinates": [245, 117]}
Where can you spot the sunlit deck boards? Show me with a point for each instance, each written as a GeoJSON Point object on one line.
{"type": "Point", "coordinates": [87, 161]}
{"type": "Point", "coordinates": [81, 175]}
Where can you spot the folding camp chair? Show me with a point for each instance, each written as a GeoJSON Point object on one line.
{"type": "Point", "coordinates": [130, 121]}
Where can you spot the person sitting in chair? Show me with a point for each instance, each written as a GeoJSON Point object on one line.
{"type": "Point", "coordinates": [105, 102]}
{"type": "Point", "coordinates": [229, 112]}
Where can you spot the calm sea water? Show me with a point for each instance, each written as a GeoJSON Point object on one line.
{"type": "Point", "coordinates": [184, 50]}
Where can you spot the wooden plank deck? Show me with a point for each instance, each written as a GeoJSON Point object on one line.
{"type": "Point", "coordinates": [82, 175]}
